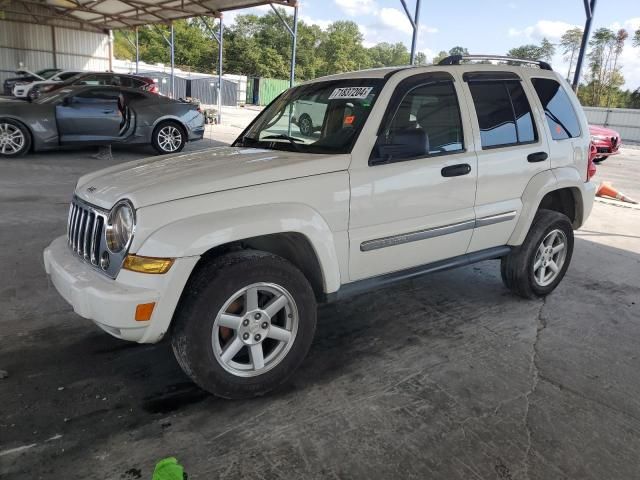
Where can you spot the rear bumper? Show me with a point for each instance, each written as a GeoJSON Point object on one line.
{"type": "Point", "coordinates": [111, 304]}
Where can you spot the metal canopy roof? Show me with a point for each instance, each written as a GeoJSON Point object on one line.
{"type": "Point", "coordinates": [100, 15]}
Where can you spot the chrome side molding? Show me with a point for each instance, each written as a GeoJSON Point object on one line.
{"type": "Point", "coordinates": [402, 238]}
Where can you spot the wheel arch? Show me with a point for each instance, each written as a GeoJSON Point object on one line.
{"type": "Point", "coordinates": [560, 190]}
{"type": "Point", "coordinates": [293, 231]}
{"type": "Point", "coordinates": [168, 119]}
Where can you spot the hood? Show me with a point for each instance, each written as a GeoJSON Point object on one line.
{"type": "Point", "coordinates": [161, 179]}
{"type": "Point", "coordinates": [607, 132]}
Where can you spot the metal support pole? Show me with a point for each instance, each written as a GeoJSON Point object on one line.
{"type": "Point", "coordinates": [220, 41]}
{"type": "Point", "coordinates": [589, 8]}
{"type": "Point", "coordinates": [414, 24]}
{"type": "Point", "coordinates": [173, 78]}
{"type": "Point", "coordinates": [294, 41]}
{"type": "Point", "coordinates": [137, 53]}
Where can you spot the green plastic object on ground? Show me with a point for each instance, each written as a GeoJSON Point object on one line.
{"type": "Point", "coordinates": [168, 469]}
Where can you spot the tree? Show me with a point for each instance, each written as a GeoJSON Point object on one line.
{"type": "Point", "coordinates": [636, 38]}
{"type": "Point", "coordinates": [547, 50]}
{"type": "Point", "coordinates": [421, 58]}
{"type": "Point", "coordinates": [386, 54]}
{"type": "Point", "coordinates": [602, 45]}
{"type": "Point", "coordinates": [570, 44]}
{"type": "Point", "coordinates": [529, 52]}
{"type": "Point", "coordinates": [341, 50]}
{"type": "Point", "coordinates": [441, 55]}
{"type": "Point", "coordinates": [621, 37]}
{"type": "Point", "coordinates": [458, 51]}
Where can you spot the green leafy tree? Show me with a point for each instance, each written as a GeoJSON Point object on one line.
{"type": "Point", "coordinates": [386, 54]}
{"type": "Point", "coordinates": [441, 55]}
{"type": "Point", "coordinates": [547, 50]}
{"type": "Point", "coordinates": [341, 50]}
{"type": "Point", "coordinates": [636, 38]}
{"type": "Point", "coordinates": [529, 52]}
{"type": "Point", "coordinates": [570, 45]}
{"type": "Point", "coordinates": [458, 51]}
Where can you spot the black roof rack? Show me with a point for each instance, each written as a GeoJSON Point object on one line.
{"type": "Point", "coordinates": [456, 59]}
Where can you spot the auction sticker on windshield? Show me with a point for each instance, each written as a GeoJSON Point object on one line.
{"type": "Point", "coordinates": [350, 92]}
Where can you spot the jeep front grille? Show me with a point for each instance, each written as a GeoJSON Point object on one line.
{"type": "Point", "coordinates": [85, 231]}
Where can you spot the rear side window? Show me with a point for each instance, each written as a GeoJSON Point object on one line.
{"type": "Point", "coordinates": [560, 114]}
{"type": "Point", "coordinates": [504, 113]}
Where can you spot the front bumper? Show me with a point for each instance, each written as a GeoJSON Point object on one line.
{"type": "Point", "coordinates": [605, 148]}
{"type": "Point", "coordinates": [111, 304]}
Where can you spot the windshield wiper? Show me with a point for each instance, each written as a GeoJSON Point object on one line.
{"type": "Point", "coordinates": [282, 136]}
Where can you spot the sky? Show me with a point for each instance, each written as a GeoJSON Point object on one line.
{"type": "Point", "coordinates": [482, 26]}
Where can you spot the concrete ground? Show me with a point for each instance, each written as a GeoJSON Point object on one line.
{"type": "Point", "coordinates": [445, 377]}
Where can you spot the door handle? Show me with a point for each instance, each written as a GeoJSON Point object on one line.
{"type": "Point", "coordinates": [537, 157]}
{"type": "Point", "coordinates": [456, 170]}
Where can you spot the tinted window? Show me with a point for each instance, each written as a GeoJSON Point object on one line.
{"type": "Point", "coordinates": [96, 96]}
{"type": "Point", "coordinates": [427, 122]}
{"type": "Point", "coordinates": [67, 75]}
{"type": "Point", "coordinates": [560, 114]}
{"type": "Point", "coordinates": [504, 114]}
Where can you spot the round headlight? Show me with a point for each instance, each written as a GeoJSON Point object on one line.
{"type": "Point", "coordinates": [120, 227]}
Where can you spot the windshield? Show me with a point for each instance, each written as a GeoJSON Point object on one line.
{"type": "Point", "coordinates": [322, 117]}
{"type": "Point", "coordinates": [48, 73]}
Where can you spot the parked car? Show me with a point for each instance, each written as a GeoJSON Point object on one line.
{"type": "Point", "coordinates": [228, 251]}
{"type": "Point", "coordinates": [308, 115]}
{"type": "Point", "coordinates": [97, 115]}
{"type": "Point", "coordinates": [24, 76]}
{"type": "Point", "coordinates": [606, 141]}
{"type": "Point", "coordinates": [106, 79]}
{"type": "Point", "coordinates": [33, 89]}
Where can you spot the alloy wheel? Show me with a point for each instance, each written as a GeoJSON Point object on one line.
{"type": "Point", "coordinates": [255, 329]}
{"type": "Point", "coordinates": [11, 139]}
{"type": "Point", "coordinates": [169, 138]}
{"type": "Point", "coordinates": [550, 257]}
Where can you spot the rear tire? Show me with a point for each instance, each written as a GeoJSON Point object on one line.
{"type": "Point", "coordinates": [535, 268]}
{"type": "Point", "coordinates": [233, 343]}
{"type": "Point", "coordinates": [15, 138]}
{"type": "Point", "coordinates": [168, 137]}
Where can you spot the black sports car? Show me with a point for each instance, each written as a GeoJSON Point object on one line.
{"type": "Point", "coordinates": [98, 116]}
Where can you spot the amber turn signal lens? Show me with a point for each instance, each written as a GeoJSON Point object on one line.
{"type": "Point", "coordinates": [147, 264]}
{"type": "Point", "coordinates": [144, 311]}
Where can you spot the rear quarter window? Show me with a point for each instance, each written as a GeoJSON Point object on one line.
{"type": "Point", "coordinates": [561, 117]}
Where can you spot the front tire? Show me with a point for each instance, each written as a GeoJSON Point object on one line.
{"type": "Point", "coordinates": [245, 323]}
{"type": "Point", "coordinates": [168, 137]}
{"type": "Point", "coordinates": [15, 139]}
{"type": "Point", "coordinates": [535, 268]}
{"type": "Point", "coordinates": [599, 159]}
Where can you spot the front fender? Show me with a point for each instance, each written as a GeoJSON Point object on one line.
{"type": "Point", "coordinates": [196, 235]}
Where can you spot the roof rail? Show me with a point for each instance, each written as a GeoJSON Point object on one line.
{"type": "Point", "coordinates": [456, 59]}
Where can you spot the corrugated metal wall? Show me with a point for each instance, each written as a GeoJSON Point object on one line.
{"type": "Point", "coordinates": [31, 47]}
{"type": "Point", "coordinates": [163, 80]}
{"type": "Point", "coordinates": [206, 90]}
{"type": "Point", "coordinates": [625, 121]}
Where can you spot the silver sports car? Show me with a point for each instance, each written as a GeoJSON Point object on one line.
{"type": "Point", "coordinates": [97, 115]}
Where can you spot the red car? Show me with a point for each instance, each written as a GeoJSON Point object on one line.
{"type": "Point", "coordinates": [606, 141]}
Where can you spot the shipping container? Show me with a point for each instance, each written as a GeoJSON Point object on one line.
{"type": "Point", "coordinates": [262, 91]}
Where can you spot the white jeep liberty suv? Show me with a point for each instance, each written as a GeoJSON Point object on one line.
{"type": "Point", "coordinates": [417, 169]}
